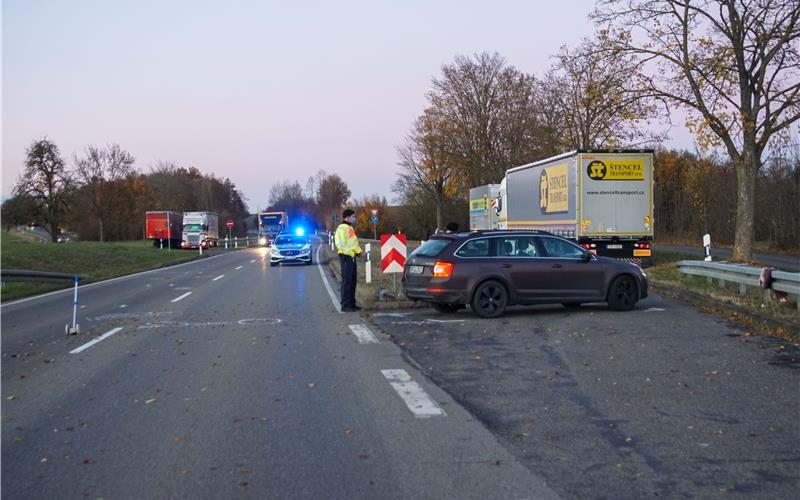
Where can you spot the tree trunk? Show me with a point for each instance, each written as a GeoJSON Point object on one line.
{"type": "Point", "coordinates": [746, 171]}
{"type": "Point", "coordinates": [439, 215]}
{"type": "Point", "coordinates": [101, 229]}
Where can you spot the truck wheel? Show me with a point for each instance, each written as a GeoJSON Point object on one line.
{"type": "Point", "coordinates": [447, 308]}
{"type": "Point", "coordinates": [490, 299]}
{"type": "Point", "coordinates": [622, 294]}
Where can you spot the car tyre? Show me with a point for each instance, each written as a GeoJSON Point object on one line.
{"type": "Point", "coordinates": [490, 299]}
{"type": "Point", "coordinates": [622, 294]}
{"type": "Point", "coordinates": [447, 308]}
{"type": "Point", "coordinates": [273, 264]}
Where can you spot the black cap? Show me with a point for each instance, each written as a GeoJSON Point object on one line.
{"type": "Point", "coordinates": [347, 213]}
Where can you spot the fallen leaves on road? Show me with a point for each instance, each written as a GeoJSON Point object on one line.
{"type": "Point", "coordinates": [312, 385]}
{"type": "Point", "coordinates": [348, 431]}
{"type": "Point", "coordinates": [11, 398]}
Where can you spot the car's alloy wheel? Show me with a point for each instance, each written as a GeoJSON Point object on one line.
{"type": "Point", "coordinates": [447, 308]}
{"type": "Point", "coordinates": [490, 299]}
{"type": "Point", "coordinates": [622, 294]}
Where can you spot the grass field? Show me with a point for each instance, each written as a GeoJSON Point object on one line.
{"type": "Point", "coordinates": [87, 258]}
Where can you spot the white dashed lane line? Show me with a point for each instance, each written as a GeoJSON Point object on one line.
{"type": "Point", "coordinates": [93, 342]}
{"type": "Point", "coordinates": [363, 334]}
{"type": "Point", "coordinates": [218, 277]}
{"type": "Point", "coordinates": [252, 261]}
{"type": "Point", "coordinates": [239, 268]}
{"type": "Point", "coordinates": [181, 297]}
{"type": "Point", "coordinates": [414, 396]}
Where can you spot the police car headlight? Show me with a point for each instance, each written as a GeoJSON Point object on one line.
{"type": "Point", "coordinates": [306, 249]}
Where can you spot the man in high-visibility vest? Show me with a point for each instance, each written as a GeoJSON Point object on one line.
{"type": "Point", "coordinates": [348, 248]}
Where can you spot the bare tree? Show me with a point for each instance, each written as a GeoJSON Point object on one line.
{"type": "Point", "coordinates": [490, 107]}
{"type": "Point", "coordinates": [428, 161]}
{"type": "Point", "coordinates": [99, 170]}
{"type": "Point", "coordinates": [332, 194]}
{"type": "Point", "coordinates": [596, 102]}
{"type": "Point", "coordinates": [734, 64]}
{"type": "Point", "coordinates": [46, 180]}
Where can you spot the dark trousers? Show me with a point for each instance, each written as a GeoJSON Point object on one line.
{"type": "Point", "coordinates": [349, 277]}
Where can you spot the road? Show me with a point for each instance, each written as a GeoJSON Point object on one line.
{"type": "Point", "coordinates": [782, 262]}
{"type": "Point", "coordinates": [659, 402]}
{"type": "Point", "coordinates": [225, 378]}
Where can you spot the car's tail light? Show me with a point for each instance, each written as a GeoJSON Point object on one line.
{"type": "Point", "coordinates": [641, 245]}
{"type": "Point", "coordinates": [442, 269]}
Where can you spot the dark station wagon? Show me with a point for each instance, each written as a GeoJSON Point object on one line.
{"type": "Point", "coordinates": [490, 270]}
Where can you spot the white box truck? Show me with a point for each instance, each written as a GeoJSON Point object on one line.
{"type": "Point", "coordinates": [483, 207]}
{"type": "Point", "coordinates": [602, 199]}
{"type": "Point", "coordinates": [200, 229]}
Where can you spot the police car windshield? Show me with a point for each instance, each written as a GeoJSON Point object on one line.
{"type": "Point", "coordinates": [290, 240]}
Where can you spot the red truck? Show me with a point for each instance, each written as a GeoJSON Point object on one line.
{"type": "Point", "coordinates": [164, 228]}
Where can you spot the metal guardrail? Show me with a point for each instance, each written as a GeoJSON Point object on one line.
{"type": "Point", "coordinates": [743, 275]}
{"type": "Point", "coordinates": [38, 276]}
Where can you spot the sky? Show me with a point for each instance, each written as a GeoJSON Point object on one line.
{"type": "Point", "coordinates": [256, 91]}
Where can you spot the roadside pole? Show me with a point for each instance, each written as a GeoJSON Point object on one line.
{"type": "Point", "coordinates": [367, 248]}
{"type": "Point", "coordinates": [75, 327]}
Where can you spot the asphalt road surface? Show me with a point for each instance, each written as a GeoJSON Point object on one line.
{"type": "Point", "coordinates": [781, 262]}
{"type": "Point", "coordinates": [659, 402]}
{"type": "Point", "coordinates": [225, 378]}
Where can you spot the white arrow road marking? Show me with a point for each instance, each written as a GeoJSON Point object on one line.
{"type": "Point", "coordinates": [93, 342]}
{"type": "Point", "coordinates": [218, 277]}
{"type": "Point", "coordinates": [412, 394]}
{"type": "Point", "coordinates": [364, 335]}
{"type": "Point", "coordinates": [238, 268]}
{"type": "Point", "coordinates": [176, 299]}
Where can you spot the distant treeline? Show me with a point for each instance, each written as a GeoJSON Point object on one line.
{"type": "Point", "coordinates": [102, 196]}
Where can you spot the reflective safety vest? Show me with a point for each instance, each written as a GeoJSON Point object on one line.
{"type": "Point", "coordinates": [346, 240]}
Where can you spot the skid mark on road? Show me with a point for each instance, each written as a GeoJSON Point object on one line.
{"type": "Point", "coordinates": [413, 395]}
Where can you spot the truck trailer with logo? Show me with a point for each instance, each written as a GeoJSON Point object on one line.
{"type": "Point", "coordinates": [602, 199]}
{"type": "Point", "coordinates": [200, 229]}
{"type": "Point", "coordinates": [164, 228]}
{"type": "Point", "coordinates": [270, 225]}
{"type": "Point", "coordinates": [483, 204]}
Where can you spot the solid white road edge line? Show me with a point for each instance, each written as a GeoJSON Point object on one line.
{"type": "Point", "coordinates": [364, 335]}
{"type": "Point", "coordinates": [414, 396]}
{"type": "Point", "coordinates": [93, 342]}
{"type": "Point", "coordinates": [218, 277]}
{"type": "Point", "coordinates": [176, 299]}
{"type": "Point", "coordinates": [81, 287]}
{"type": "Point", "coordinates": [327, 285]}
{"type": "Point", "coordinates": [237, 268]}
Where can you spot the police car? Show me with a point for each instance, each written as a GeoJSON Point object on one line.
{"type": "Point", "coordinates": [290, 247]}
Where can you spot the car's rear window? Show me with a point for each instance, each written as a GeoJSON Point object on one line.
{"type": "Point", "coordinates": [431, 248]}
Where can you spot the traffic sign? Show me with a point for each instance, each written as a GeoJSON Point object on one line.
{"type": "Point", "coordinates": [393, 253]}
{"type": "Point", "coordinates": [229, 223]}
{"type": "Point", "coordinates": [374, 219]}
{"type": "Point", "coordinates": [374, 212]}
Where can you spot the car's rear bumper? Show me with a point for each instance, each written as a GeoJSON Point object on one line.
{"type": "Point", "coordinates": [432, 294]}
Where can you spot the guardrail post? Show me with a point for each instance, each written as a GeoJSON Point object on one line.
{"type": "Point", "coordinates": [75, 327]}
{"type": "Point", "coordinates": [367, 248]}
{"type": "Point", "coordinates": [236, 242]}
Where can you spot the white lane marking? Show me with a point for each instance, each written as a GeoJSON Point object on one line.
{"type": "Point", "coordinates": [218, 277]}
{"type": "Point", "coordinates": [327, 285]}
{"type": "Point", "coordinates": [414, 396]}
{"type": "Point", "coordinates": [395, 315]}
{"type": "Point", "coordinates": [127, 276]}
{"type": "Point", "coordinates": [653, 309]}
{"type": "Point", "coordinates": [93, 342]}
{"type": "Point", "coordinates": [252, 261]}
{"type": "Point", "coordinates": [364, 335]}
{"type": "Point", "coordinates": [176, 299]}
{"type": "Point", "coordinates": [123, 306]}
{"type": "Point", "coordinates": [236, 269]}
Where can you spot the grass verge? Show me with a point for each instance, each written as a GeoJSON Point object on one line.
{"type": "Point", "coordinates": [89, 258]}
{"type": "Point", "coordinates": [368, 295]}
{"type": "Point", "coordinates": [753, 309]}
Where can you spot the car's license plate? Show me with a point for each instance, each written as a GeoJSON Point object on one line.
{"type": "Point", "coordinates": [414, 269]}
{"type": "Point", "coordinates": [614, 247]}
